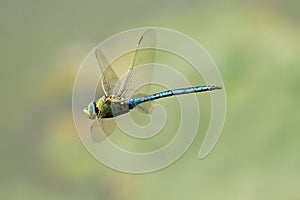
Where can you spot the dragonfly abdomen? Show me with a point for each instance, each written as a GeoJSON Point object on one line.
{"type": "Point", "coordinates": [133, 102]}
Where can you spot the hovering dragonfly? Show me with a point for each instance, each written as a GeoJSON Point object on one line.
{"type": "Point", "coordinates": [115, 100]}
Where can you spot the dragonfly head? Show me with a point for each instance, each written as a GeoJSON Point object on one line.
{"type": "Point", "coordinates": [91, 111]}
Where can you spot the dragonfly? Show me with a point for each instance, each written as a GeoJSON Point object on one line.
{"type": "Point", "coordinates": [116, 101]}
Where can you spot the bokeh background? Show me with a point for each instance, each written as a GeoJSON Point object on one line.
{"type": "Point", "coordinates": [256, 46]}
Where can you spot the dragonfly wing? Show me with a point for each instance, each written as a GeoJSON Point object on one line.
{"type": "Point", "coordinates": [144, 53]}
{"type": "Point", "coordinates": [144, 107]}
{"type": "Point", "coordinates": [101, 129]}
{"type": "Point", "coordinates": [108, 76]}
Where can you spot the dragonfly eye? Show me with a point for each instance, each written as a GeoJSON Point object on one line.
{"type": "Point", "coordinates": [90, 110]}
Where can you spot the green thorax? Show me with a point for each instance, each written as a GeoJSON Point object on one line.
{"type": "Point", "coordinates": [111, 106]}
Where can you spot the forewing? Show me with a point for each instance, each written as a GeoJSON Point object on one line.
{"type": "Point", "coordinates": [108, 76]}
{"type": "Point", "coordinates": [144, 53]}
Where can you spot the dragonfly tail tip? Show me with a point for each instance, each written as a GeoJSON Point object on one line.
{"type": "Point", "coordinates": [215, 87]}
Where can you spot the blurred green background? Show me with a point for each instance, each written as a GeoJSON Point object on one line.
{"type": "Point", "coordinates": [256, 46]}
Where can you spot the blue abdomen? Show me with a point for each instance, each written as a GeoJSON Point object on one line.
{"type": "Point", "coordinates": [133, 102]}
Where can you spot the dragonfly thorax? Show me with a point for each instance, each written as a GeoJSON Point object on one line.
{"type": "Point", "coordinates": [107, 107]}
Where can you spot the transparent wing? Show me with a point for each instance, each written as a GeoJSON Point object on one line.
{"type": "Point", "coordinates": [144, 107]}
{"type": "Point", "coordinates": [108, 78]}
{"type": "Point", "coordinates": [101, 129]}
{"type": "Point", "coordinates": [144, 53]}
